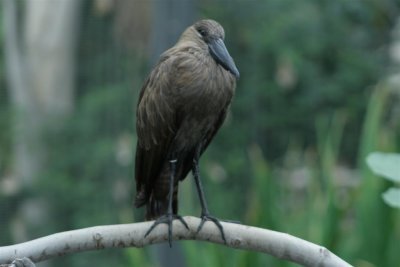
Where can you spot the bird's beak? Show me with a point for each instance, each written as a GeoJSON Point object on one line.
{"type": "Point", "coordinates": [221, 55]}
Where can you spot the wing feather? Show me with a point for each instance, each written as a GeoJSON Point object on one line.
{"type": "Point", "coordinates": [155, 127]}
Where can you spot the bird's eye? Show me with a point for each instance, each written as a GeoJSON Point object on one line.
{"type": "Point", "coordinates": [202, 32]}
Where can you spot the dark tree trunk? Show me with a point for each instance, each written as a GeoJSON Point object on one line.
{"type": "Point", "coordinates": [169, 19]}
{"type": "Point", "coordinates": [40, 67]}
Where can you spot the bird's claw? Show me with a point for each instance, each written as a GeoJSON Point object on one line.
{"type": "Point", "coordinates": [207, 217]}
{"type": "Point", "coordinates": [22, 262]}
{"type": "Point", "coordinates": [167, 219]}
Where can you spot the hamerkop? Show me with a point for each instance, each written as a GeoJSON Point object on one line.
{"type": "Point", "coordinates": [181, 106]}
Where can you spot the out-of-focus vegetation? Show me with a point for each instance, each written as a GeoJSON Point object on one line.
{"type": "Point", "coordinates": [311, 104]}
{"type": "Point", "coordinates": [387, 166]}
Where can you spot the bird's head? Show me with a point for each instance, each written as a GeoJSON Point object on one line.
{"type": "Point", "coordinates": [212, 34]}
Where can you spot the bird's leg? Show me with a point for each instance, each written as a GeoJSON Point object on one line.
{"type": "Point", "coordinates": [205, 214]}
{"type": "Point", "coordinates": [169, 216]}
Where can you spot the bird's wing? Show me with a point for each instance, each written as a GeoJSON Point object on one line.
{"type": "Point", "coordinates": [188, 162]}
{"type": "Point", "coordinates": [155, 112]}
{"type": "Point", "coordinates": [217, 125]}
{"type": "Point", "coordinates": [156, 125]}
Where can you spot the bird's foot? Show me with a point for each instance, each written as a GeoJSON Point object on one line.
{"type": "Point", "coordinates": [23, 262]}
{"type": "Point", "coordinates": [208, 217]}
{"type": "Point", "coordinates": [167, 219]}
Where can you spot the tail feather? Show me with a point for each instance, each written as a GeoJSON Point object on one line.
{"type": "Point", "coordinates": [141, 199]}
{"type": "Point", "coordinates": [155, 207]}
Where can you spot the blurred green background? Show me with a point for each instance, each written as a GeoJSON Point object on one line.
{"type": "Point", "coordinates": [318, 91]}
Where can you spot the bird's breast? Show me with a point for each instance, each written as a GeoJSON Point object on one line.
{"type": "Point", "coordinates": [200, 93]}
{"type": "Point", "coordinates": [207, 87]}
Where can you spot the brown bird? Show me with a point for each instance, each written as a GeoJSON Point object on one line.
{"type": "Point", "coordinates": [181, 106]}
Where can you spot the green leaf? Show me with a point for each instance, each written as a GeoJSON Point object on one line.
{"type": "Point", "coordinates": [392, 197]}
{"type": "Point", "coordinates": [385, 164]}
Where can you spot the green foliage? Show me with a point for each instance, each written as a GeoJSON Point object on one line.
{"type": "Point", "coordinates": [385, 164]}
{"type": "Point", "coordinates": [300, 60]}
{"type": "Point", "coordinates": [388, 166]}
{"type": "Point", "coordinates": [392, 197]}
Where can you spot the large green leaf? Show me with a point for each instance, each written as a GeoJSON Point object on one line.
{"type": "Point", "coordinates": [392, 197]}
{"type": "Point", "coordinates": [385, 164]}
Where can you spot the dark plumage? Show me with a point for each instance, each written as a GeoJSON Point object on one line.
{"type": "Point", "coordinates": [181, 106]}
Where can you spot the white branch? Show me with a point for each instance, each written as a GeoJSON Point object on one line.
{"type": "Point", "coordinates": [278, 244]}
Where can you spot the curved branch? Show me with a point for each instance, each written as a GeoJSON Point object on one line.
{"type": "Point", "coordinates": [278, 244]}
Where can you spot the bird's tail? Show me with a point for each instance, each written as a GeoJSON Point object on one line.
{"type": "Point", "coordinates": [157, 207]}
{"type": "Point", "coordinates": [141, 199]}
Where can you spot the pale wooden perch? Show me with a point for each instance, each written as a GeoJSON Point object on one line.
{"type": "Point", "coordinates": [277, 244]}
